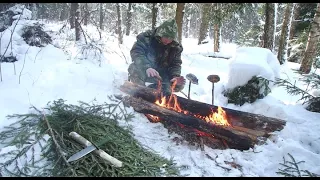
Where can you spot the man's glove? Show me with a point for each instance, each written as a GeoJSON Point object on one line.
{"type": "Point", "coordinates": [181, 81]}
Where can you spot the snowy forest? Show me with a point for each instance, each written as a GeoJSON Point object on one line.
{"type": "Point", "coordinates": [250, 106]}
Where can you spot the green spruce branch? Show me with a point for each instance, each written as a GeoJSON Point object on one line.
{"type": "Point", "coordinates": [48, 135]}
{"type": "Point", "coordinates": [291, 169]}
{"type": "Point", "coordinates": [292, 89]}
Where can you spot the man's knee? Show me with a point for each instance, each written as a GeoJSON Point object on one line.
{"type": "Point", "coordinates": [135, 75]}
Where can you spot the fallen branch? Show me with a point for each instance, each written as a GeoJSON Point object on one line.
{"type": "Point", "coordinates": [57, 144]}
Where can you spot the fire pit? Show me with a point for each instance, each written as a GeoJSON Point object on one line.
{"type": "Point", "coordinates": [201, 123]}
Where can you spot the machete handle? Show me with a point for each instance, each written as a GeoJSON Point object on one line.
{"type": "Point", "coordinates": [98, 152]}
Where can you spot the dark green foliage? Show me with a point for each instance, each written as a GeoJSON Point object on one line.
{"type": "Point", "coordinates": [291, 169]}
{"type": "Point", "coordinates": [95, 123]}
{"type": "Point", "coordinates": [313, 81]}
{"type": "Point", "coordinates": [9, 59]}
{"type": "Point", "coordinates": [256, 88]}
{"type": "Point", "coordinates": [34, 35]}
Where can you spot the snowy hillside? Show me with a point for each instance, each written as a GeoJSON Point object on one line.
{"type": "Point", "coordinates": [78, 72]}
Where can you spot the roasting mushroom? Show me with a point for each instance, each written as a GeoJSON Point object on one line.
{"type": "Point", "coordinates": [192, 79]}
{"type": "Point", "coordinates": [213, 79]}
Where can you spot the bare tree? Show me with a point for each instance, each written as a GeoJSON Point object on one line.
{"type": "Point", "coordinates": [77, 20]}
{"type": "Point", "coordinates": [269, 26]}
{"type": "Point", "coordinates": [204, 22]}
{"type": "Point", "coordinates": [179, 19]}
{"type": "Point", "coordinates": [129, 19]}
{"type": "Point", "coordinates": [101, 16]}
{"type": "Point", "coordinates": [282, 51]}
{"type": "Point", "coordinates": [314, 34]}
{"type": "Point", "coordinates": [119, 30]}
{"type": "Point", "coordinates": [154, 15]}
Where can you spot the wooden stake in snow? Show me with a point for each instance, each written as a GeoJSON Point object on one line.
{"type": "Point", "coordinates": [83, 141]}
{"type": "Point", "coordinates": [213, 79]}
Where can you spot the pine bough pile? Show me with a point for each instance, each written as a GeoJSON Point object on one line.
{"type": "Point", "coordinates": [48, 134]}
{"type": "Point", "coordinates": [34, 35]}
{"type": "Point", "coordinates": [256, 88]}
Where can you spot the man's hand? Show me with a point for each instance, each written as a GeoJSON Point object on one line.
{"type": "Point", "coordinates": [152, 72]}
{"type": "Point", "coordinates": [181, 81]}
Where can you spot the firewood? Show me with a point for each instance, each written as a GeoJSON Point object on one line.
{"type": "Point", "coordinates": [236, 139]}
{"type": "Point", "coordinates": [236, 118]}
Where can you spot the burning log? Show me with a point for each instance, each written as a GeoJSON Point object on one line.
{"type": "Point", "coordinates": [235, 138]}
{"type": "Point", "coordinates": [243, 121]}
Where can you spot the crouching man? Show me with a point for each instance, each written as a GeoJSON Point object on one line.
{"type": "Point", "coordinates": [157, 53]}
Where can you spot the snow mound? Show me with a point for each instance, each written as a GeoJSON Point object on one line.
{"type": "Point", "coordinates": [249, 62]}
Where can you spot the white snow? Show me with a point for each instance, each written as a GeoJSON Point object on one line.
{"type": "Point", "coordinates": [249, 62]}
{"type": "Point", "coordinates": [20, 10]}
{"type": "Point", "coordinates": [54, 72]}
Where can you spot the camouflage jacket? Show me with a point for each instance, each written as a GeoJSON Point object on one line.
{"type": "Point", "coordinates": [148, 52]}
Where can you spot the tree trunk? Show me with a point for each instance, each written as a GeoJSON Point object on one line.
{"type": "Point", "coordinates": [101, 16]}
{"type": "Point", "coordinates": [64, 12]}
{"type": "Point", "coordinates": [204, 22]}
{"type": "Point", "coordinates": [77, 20]}
{"type": "Point", "coordinates": [187, 27]}
{"type": "Point", "coordinates": [154, 15]}
{"type": "Point", "coordinates": [310, 52]}
{"type": "Point", "coordinates": [269, 26]}
{"type": "Point", "coordinates": [119, 29]}
{"type": "Point", "coordinates": [179, 19]}
{"type": "Point", "coordinates": [282, 51]}
{"type": "Point", "coordinates": [34, 11]}
{"type": "Point", "coordinates": [296, 14]}
{"type": "Point", "coordinates": [216, 45]}
{"type": "Point", "coordinates": [72, 15]}
{"type": "Point", "coordinates": [86, 14]}
{"type": "Point", "coordinates": [236, 118]}
{"type": "Point", "coordinates": [129, 19]}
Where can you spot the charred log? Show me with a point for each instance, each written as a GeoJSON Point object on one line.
{"type": "Point", "coordinates": [191, 135]}
{"type": "Point", "coordinates": [236, 139]}
{"type": "Point", "coordinates": [236, 118]}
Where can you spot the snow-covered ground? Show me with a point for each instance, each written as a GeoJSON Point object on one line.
{"type": "Point", "coordinates": [60, 71]}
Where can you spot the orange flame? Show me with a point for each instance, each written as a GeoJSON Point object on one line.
{"type": "Point", "coordinates": [216, 118]}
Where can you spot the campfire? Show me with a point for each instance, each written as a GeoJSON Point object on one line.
{"type": "Point", "coordinates": [200, 123]}
{"type": "Point", "coordinates": [171, 102]}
